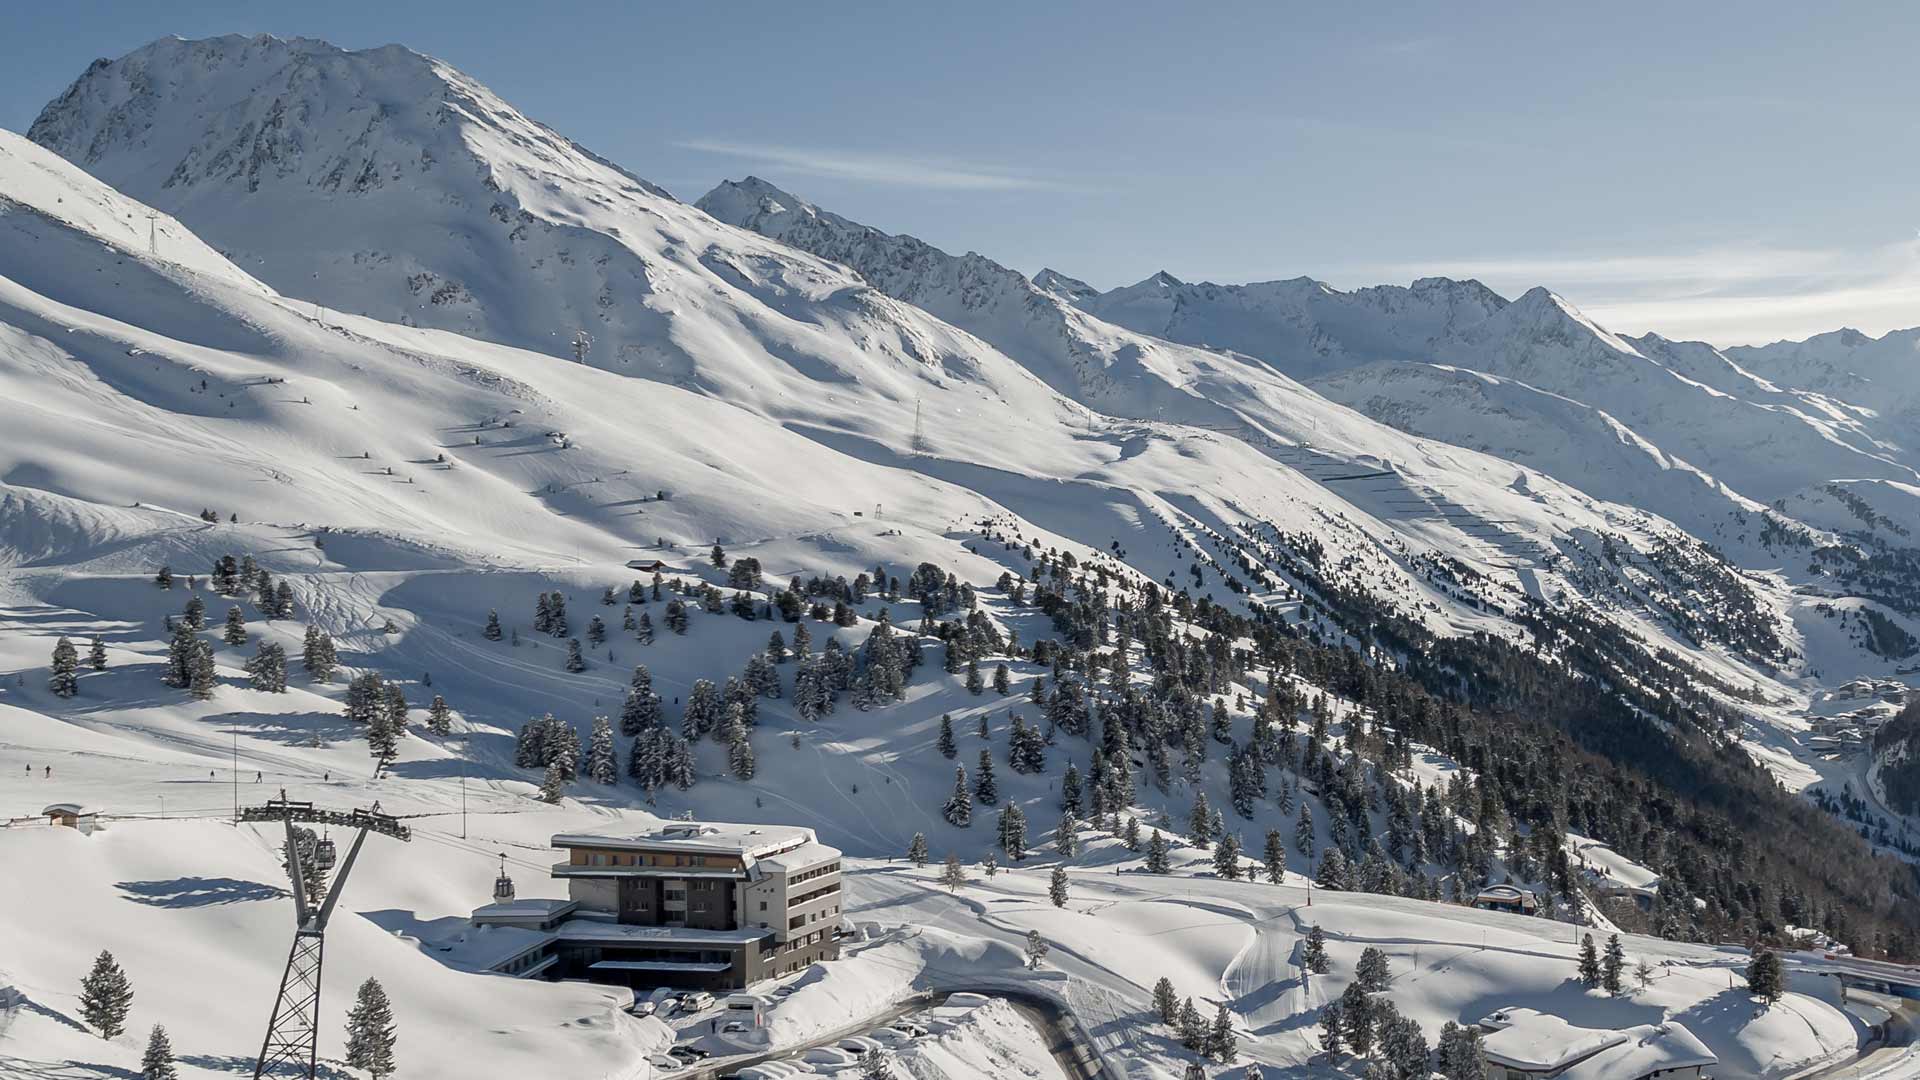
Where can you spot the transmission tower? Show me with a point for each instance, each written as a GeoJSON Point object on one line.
{"type": "Point", "coordinates": [293, 1032]}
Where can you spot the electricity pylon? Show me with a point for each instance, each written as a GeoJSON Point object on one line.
{"type": "Point", "coordinates": [293, 1032]}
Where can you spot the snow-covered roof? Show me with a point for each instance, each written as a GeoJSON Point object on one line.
{"type": "Point", "coordinates": [749, 842]}
{"type": "Point", "coordinates": [1647, 1049]}
{"type": "Point", "coordinates": [1534, 1041]}
{"type": "Point", "coordinates": [69, 808]}
{"type": "Point", "coordinates": [800, 858]}
{"type": "Point", "coordinates": [530, 908]}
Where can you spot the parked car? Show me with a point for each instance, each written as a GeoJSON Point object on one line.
{"type": "Point", "coordinates": [690, 1053]}
{"type": "Point", "coordinates": [698, 1001]}
{"type": "Point", "coordinates": [665, 1063]}
{"type": "Point", "coordinates": [916, 1030]}
{"type": "Point", "coordinates": [733, 1027]}
{"type": "Point", "coordinates": [860, 1044]}
{"type": "Point", "coordinates": [643, 1008]}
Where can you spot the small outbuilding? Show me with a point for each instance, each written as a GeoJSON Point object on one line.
{"type": "Point", "coordinates": [73, 816]}
{"type": "Point", "coordinates": [1506, 898]}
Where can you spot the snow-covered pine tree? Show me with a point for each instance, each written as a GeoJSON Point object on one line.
{"type": "Point", "coordinates": [1373, 972]}
{"type": "Point", "coordinates": [1332, 873]}
{"type": "Point", "coordinates": [952, 874]}
{"type": "Point", "coordinates": [1157, 862]}
{"type": "Point", "coordinates": [917, 850]}
{"type": "Point", "coordinates": [1166, 1002]}
{"type": "Point", "coordinates": [1001, 681]}
{"type": "Point", "coordinates": [558, 777]}
{"type": "Point", "coordinates": [1057, 887]}
{"type": "Point", "coordinates": [576, 663]}
{"type": "Point", "coordinates": [157, 1062]}
{"type": "Point", "coordinates": [959, 808]}
{"type": "Point", "coordinates": [180, 650]}
{"type": "Point", "coordinates": [235, 632]}
{"type": "Point", "coordinates": [371, 1031]}
{"type": "Point", "coordinates": [740, 759]}
{"type": "Point", "coordinates": [1066, 836]}
{"type": "Point", "coordinates": [195, 614]}
{"type": "Point", "coordinates": [1612, 963]}
{"type": "Point", "coordinates": [1303, 836]}
{"type": "Point", "coordinates": [267, 668]}
{"type": "Point", "coordinates": [492, 630]}
{"type": "Point", "coordinates": [383, 745]}
{"type": "Point", "coordinates": [1275, 858]}
{"type": "Point", "coordinates": [1589, 962]}
{"type": "Point", "coordinates": [439, 716]}
{"type": "Point", "coordinates": [1013, 832]}
{"type": "Point", "coordinates": [986, 791]}
{"type": "Point", "coordinates": [1313, 955]}
{"type": "Point", "coordinates": [282, 601]}
{"type": "Point", "coordinates": [1226, 857]}
{"type": "Point", "coordinates": [65, 679]}
{"type": "Point", "coordinates": [97, 656]}
{"type": "Point", "coordinates": [603, 760]}
{"type": "Point", "coordinates": [1070, 790]}
{"type": "Point", "coordinates": [396, 708]}
{"type": "Point", "coordinates": [948, 748]}
{"type": "Point", "coordinates": [106, 996]}
{"type": "Point", "coordinates": [1222, 1045]}
{"type": "Point", "coordinates": [164, 577]}
{"type": "Point", "coordinates": [596, 631]}
{"type": "Point", "coordinates": [200, 677]}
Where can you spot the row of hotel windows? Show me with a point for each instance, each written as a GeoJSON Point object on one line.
{"type": "Point", "coordinates": [623, 858]}
{"type": "Point", "coordinates": [809, 875]}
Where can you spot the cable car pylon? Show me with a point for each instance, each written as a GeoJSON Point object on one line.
{"type": "Point", "coordinates": [293, 1032]}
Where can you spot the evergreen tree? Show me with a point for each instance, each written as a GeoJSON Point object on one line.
{"type": "Point", "coordinates": [236, 629]}
{"type": "Point", "coordinates": [439, 717]}
{"type": "Point", "coordinates": [1765, 977]}
{"type": "Point", "coordinates": [200, 673]}
{"type": "Point", "coordinates": [603, 759]}
{"type": "Point", "coordinates": [1157, 854]}
{"type": "Point", "coordinates": [1373, 972]}
{"type": "Point", "coordinates": [959, 808]}
{"type": "Point", "coordinates": [1612, 964]}
{"type": "Point", "coordinates": [642, 709]}
{"type": "Point", "coordinates": [1589, 963]}
{"type": "Point", "coordinates": [1193, 1027]}
{"type": "Point", "coordinates": [948, 748]}
{"type": "Point", "coordinates": [1333, 1027]}
{"type": "Point", "coordinates": [316, 655]}
{"type": "Point", "coordinates": [917, 850]}
{"type": "Point", "coordinates": [1226, 857]}
{"type": "Point", "coordinates": [1013, 832]}
{"type": "Point", "coordinates": [157, 1062]}
{"type": "Point", "coordinates": [164, 577]}
{"type": "Point", "coordinates": [1314, 955]}
{"type": "Point", "coordinates": [267, 668]}
{"type": "Point", "coordinates": [97, 656]}
{"type": "Point", "coordinates": [1166, 1003]}
{"type": "Point", "coordinates": [383, 743]}
{"type": "Point", "coordinates": [283, 601]}
{"type": "Point", "coordinates": [1222, 1045]}
{"type": "Point", "coordinates": [952, 874]}
{"type": "Point", "coordinates": [1065, 836]}
{"type": "Point", "coordinates": [492, 631]}
{"type": "Point", "coordinates": [1131, 836]}
{"type": "Point", "coordinates": [740, 758]}
{"type": "Point", "coordinates": [179, 670]}
{"type": "Point", "coordinates": [1358, 1010]}
{"type": "Point", "coordinates": [396, 708]}
{"type": "Point", "coordinates": [576, 663]}
{"type": "Point", "coordinates": [1000, 679]}
{"type": "Point", "coordinates": [1200, 821]}
{"type": "Point", "coordinates": [1303, 841]}
{"type": "Point", "coordinates": [989, 865]}
{"type": "Point", "coordinates": [985, 791]}
{"type": "Point", "coordinates": [195, 615]}
{"type": "Point", "coordinates": [65, 681]}
{"type": "Point", "coordinates": [553, 786]}
{"type": "Point", "coordinates": [1332, 873]}
{"type": "Point", "coordinates": [371, 1031]}
{"type": "Point", "coordinates": [106, 996]}
{"type": "Point", "coordinates": [1274, 860]}
{"type": "Point", "coordinates": [1459, 1052]}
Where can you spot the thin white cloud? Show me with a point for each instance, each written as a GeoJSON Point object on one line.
{"type": "Point", "coordinates": [1728, 296]}
{"type": "Point", "coordinates": [890, 169]}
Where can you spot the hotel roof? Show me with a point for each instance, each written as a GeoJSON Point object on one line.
{"type": "Point", "coordinates": [750, 842]}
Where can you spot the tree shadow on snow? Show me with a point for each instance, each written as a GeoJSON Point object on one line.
{"type": "Point", "coordinates": [26, 1069]}
{"type": "Point", "coordinates": [52, 1014]}
{"type": "Point", "coordinates": [190, 892]}
{"type": "Point", "coordinates": [244, 1066]}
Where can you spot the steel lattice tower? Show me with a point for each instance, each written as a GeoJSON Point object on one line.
{"type": "Point", "coordinates": [293, 1032]}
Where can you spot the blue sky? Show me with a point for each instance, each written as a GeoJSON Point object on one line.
{"type": "Point", "coordinates": [1733, 173]}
